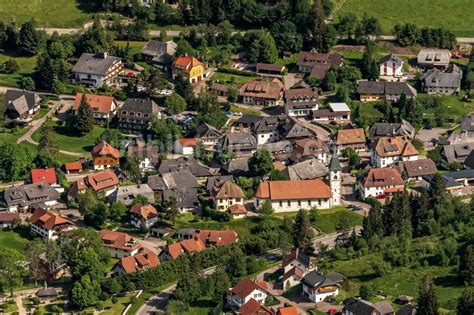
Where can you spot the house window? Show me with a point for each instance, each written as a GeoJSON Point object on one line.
{"type": "Point", "coordinates": [309, 202]}
{"type": "Point", "coordinates": [299, 203]}
{"type": "Point", "coordinates": [281, 203]}
{"type": "Point", "coordinates": [288, 203]}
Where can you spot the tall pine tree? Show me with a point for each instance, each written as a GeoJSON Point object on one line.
{"type": "Point", "coordinates": [427, 300]}
{"type": "Point", "coordinates": [84, 119]}
{"type": "Point", "coordinates": [302, 232]}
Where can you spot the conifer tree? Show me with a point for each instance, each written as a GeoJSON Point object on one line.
{"type": "Point", "coordinates": [427, 300]}
{"type": "Point", "coordinates": [84, 119]}
{"type": "Point", "coordinates": [302, 232]}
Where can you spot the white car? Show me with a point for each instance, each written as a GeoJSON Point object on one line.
{"type": "Point", "coordinates": [165, 92]}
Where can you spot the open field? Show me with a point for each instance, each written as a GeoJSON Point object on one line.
{"type": "Point", "coordinates": [226, 78]}
{"type": "Point", "coordinates": [48, 13]}
{"type": "Point", "coordinates": [451, 14]}
{"type": "Point", "coordinates": [69, 141]}
{"type": "Point", "coordinates": [12, 240]}
{"type": "Point", "coordinates": [26, 64]}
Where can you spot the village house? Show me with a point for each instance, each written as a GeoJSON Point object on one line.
{"type": "Point", "coordinates": [287, 310]}
{"type": "Point", "coordinates": [454, 182]}
{"type": "Point", "coordinates": [417, 169]}
{"type": "Point", "coordinates": [238, 211]}
{"type": "Point", "coordinates": [295, 266]}
{"type": "Point", "coordinates": [308, 169]}
{"type": "Point", "coordinates": [467, 123]}
{"type": "Point", "coordinates": [9, 219]}
{"type": "Point", "coordinates": [292, 195]}
{"type": "Point", "coordinates": [48, 176]}
{"type": "Point", "coordinates": [216, 238]}
{"type": "Point", "coordinates": [227, 195]}
{"type": "Point", "coordinates": [242, 144]}
{"type": "Point", "coordinates": [379, 130]}
{"type": "Point", "coordinates": [301, 102]}
{"type": "Point", "coordinates": [266, 69]}
{"type": "Point", "coordinates": [103, 107]}
{"type": "Point", "coordinates": [120, 244]}
{"type": "Point", "coordinates": [135, 115]}
{"type": "Point", "coordinates": [21, 198]}
{"type": "Point", "coordinates": [96, 70]}
{"type": "Point", "coordinates": [391, 65]}
{"type": "Point", "coordinates": [126, 194]}
{"type": "Point", "coordinates": [458, 147]}
{"type": "Point", "coordinates": [184, 163]}
{"type": "Point", "coordinates": [317, 287]}
{"type": "Point", "coordinates": [370, 91]}
{"type": "Point", "coordinates": [390, 150]}
{"type": "Point", "coordinates": [104, 156]}
{"type": "Point", "coordinates": [351, 138]}
{"type": "Point", "coordinates": [73, 168]}
{"type": "Point", "coordinates": [207, 134]}
{"type": "Point", "coordinates": [252, 307]}
{"type": "Point", "coordinates": [429, 58]}
{"type": "Point", "coordinates": [21, 106]}
{"type": "Point", "coordinates": [317, 64]}
{"type": "Point", "coordinates": [189, 68]}
{"type": "Point", "coordinates": [49, 225]}
{"type": "Point", "coordinates": [159, 53]}
{"type": "Point", "coordinates": [358, 306]}
{"type": "Point", "coordinates": [310, 148]}
{"type": "Point", "coordinates": [188, 246]}
{"type": "Point", "coordinates": [445, 83]}
{"type": "Point", "coordinates": [185, 146]}
{"type": "Point", "coordinates": [219, 89]}
{"type": "Point", "coordinates": [105, 181]}
{"type": "Point", "coordinates": [178, 180]}
{"type": "Point", "coordinates": [143, 215]}
{"type": "Point", "coordinates": [140, 262]}
{"type": "Point", "coordinates": [262, 93]}
{"type": "Point", "coordinates": [380, 182]}
{"type": "Point", "coordinates": [245, 290]}
{"type": "Point", "coordinates": [336, 113]}
{"type": "Point", "coordinates": [147, 155]}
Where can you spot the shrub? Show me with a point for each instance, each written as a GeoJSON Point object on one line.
{"type": "Point", "coordinates": [236, 72]}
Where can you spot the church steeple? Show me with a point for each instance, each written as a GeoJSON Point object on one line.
{"type": "Point", "coordinates": [335, 179]}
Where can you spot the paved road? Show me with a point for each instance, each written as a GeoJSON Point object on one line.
{"type": "Point", "coordinates": [330, 239]}
{"type": "Point", "coordinates": [320, 132]}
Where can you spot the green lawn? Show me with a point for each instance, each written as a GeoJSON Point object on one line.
{"type": "Point", "coordinates": [69, 141]}
{"type": "Point", "coordinates": [330, 219]}
{"type": "Point", "coordinates": [455, 107]}
{"type": "Point", "coordinates": [26, 64]}
{"type": "Point", "coordinates": [246, 111]}
{"type": "Point", "coordinates": [48, 13]}
{"type": "Point", "coordinates": [41, 113]}
{"type": "Point", "coordinates": [12, 240]}
{"type": "Point", "coordinates": [135, 46]}
{"type": "Point", "coordinates": [451, 14]}
{"type": "Point", "coordinates": [224, 78]}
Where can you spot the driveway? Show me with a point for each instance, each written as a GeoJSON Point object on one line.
{"type": "Point", "coordinates": [319, 131]}
{"type": "Point", "coordinates": [153, 244]}
{"type": "Point", "coordinates": [426, 135]}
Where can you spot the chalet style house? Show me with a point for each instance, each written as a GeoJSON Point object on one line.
{"type": "Point", "coordinates": [391, 65]}
{"type": "Point", "coordinates": [301, 102]}
{"type": "Point", "coordinates": [49, 225]}
{"type": "Point", "coordinates": [429, 58]}
{"type": "Point", "coordinates": [244, 291]}
{"type": "Point", "coordinates": [103, 107]}
{"type": "Point", "coordinates": [338, 113]}
{"type": "Point", "coordinates": [380, 182]}
{"type": "Point", "coordinates": [263, 93]}
{"type": "Point", "coordinates": [104, 156]}
{"type": "Point", "coordinates": [370, 91]}
{"type": "Point", "coordinates": [390, 150]}
{"type": "Point", "coordinates": [21, 106]}
{"type": "Point", "coordinates": [159, 53]}
{"type": "Point", "coordinates": [96, 70]}
{"type": "Point", "coordinates": [444, 83]}
{"type": "Point", "coordinates": [120, 244]}
{"type": "Point", "coordinates": [351, 138]}
{"type": "Point", "coordinates": [317, 64]}
{"type": "Point", "coordinates": [135, 115]}
{"type": "Point", "coordinates": [317, 287]}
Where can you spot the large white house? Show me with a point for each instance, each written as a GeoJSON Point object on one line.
{"type": "Point", "coordinates": [301, 102]}
{"type": "Point", "coordinates": [49, 225]}
{"type": "Point", "coordinates": [120, 244]}
{"type": "Point", "coordinates": [96, 70]}
{"type": "Point", "coordinates": [245, 290]}
{"type": "Point", "coordinates": [390, 150]}
{"type": "Point", "coordinates": [391, 65]}
{"type": "Point", "coordinates": [317, 287]}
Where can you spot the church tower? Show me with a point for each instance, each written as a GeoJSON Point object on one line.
{"type": "Point", "coordinates": [335, 179]}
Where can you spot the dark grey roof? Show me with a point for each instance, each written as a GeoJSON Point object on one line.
{"type": "Point", "coordinates": [183, 179]}
{"type": "Point", "coordinates": [98, 64]}
{"type": "Point", "coordinates": [371, 87]}
{"type": "Point", "coordinates": [308, 169]}
{"type": "Point", "coordinates": [126, 194]}
{"type": "Point", "coordinates": [160, 51]}
{"type": "Point", "coordinates": [385, 88]}
{"type": "Point", "coordinates": [185, 198]}
{"type": "Point", "coordinates": [237, 167]}
{"type": "Point", "coordinates": [399, 88]}
{"type": "Point", "coordinates": [269, 67]}
{"type": "Point", "coordinates": [138, 105]}
{"type": "Point", "coordinates": [47, 292]}
{"type": "Point", "coordinates": [335, 165]}
{"type": "Point", "coordinates": [207, 131]}
{"type": "Point", "coordinates": [237, 141]}
{"type": "Point", "coordinates": [20, 101]}
{"type": "Point", "coordinates": [391, 57]}
{"type": "Point", "coordinates": [363, 307]}
{"type": "Point", "coordinates": [30, 194]}
{"type": "Point", "coordinates": [315, 279]}
{"type": "Point", "coordinates": [451, 78]}
{"type": "Point", "coordinates": [406, 309]}
{"type": "Point", "coordinates": [298, 255]}
{"type": "Point", "coordinates": [217, 181]}
{"type": "Point", "coordinates": [391, 129]}
{"type": "Point", "coordinates": [467, 123]}
{"type": "Point", "coordinates": [186, 231]}
{"type": "Point", "coordinates": [460, 174]}
{"type": "Point", "coordinates": [184, 163]}
{"type": "Point", "coordinates": [293, 129]}
{"type": "Point", "coordinates": [469, 161]}
{"type": "Point", "coordinates": [248, 120]}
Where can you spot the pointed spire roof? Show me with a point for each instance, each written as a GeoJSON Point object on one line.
{"type": "Point", "coordinates": [335, 165]}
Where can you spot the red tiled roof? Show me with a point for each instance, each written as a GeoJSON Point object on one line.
{"type": "Point", "coordinates": [73, 166]}
{"type": "Point", "coordinates": [252, 307]}
{"type": "Point", "coordinates": [290, 310]}
{"type": "Point", "coordinates": [379, 177]}
{"type": "Point", "coordinates": [188, 142]}
{"type": "Point", "coordinates": [187, 246]}
{"type": "Point", "coordinates": [48, 220]}
{"type": "Point", "coordinates": [395, 146]}
{"type": "Point", "coordinates": [175, 250]}
{"type": "Point", "coordinates": [98, 103]}
{"type": "Point", "coordinates": [140, 262]}
{"type": "Point", "coordinates": [350, 136]}
{"type": "Point", "coordinates": [102, 180]}
{"type": "Point", "coordinates": [216, 237]}
{"type": "Point", "coordinates": [105, 149]}
{"type": "Point", "coordinates": [237, 209]}
{"type": "Point", "coordinates": [246, 286]}
{"type": "Point", "coordinates": [293, 189]}
{"type": "Point", "coordinates": [186, 61]}
{"type": "Point", "coordinates": [144, 211]}
{"type": "Point", "coordinates": [43, 176]}
{"type": "Point", "coordinates": [9, 216]}
{"type": "Point", "coordinates": [119, 240]}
